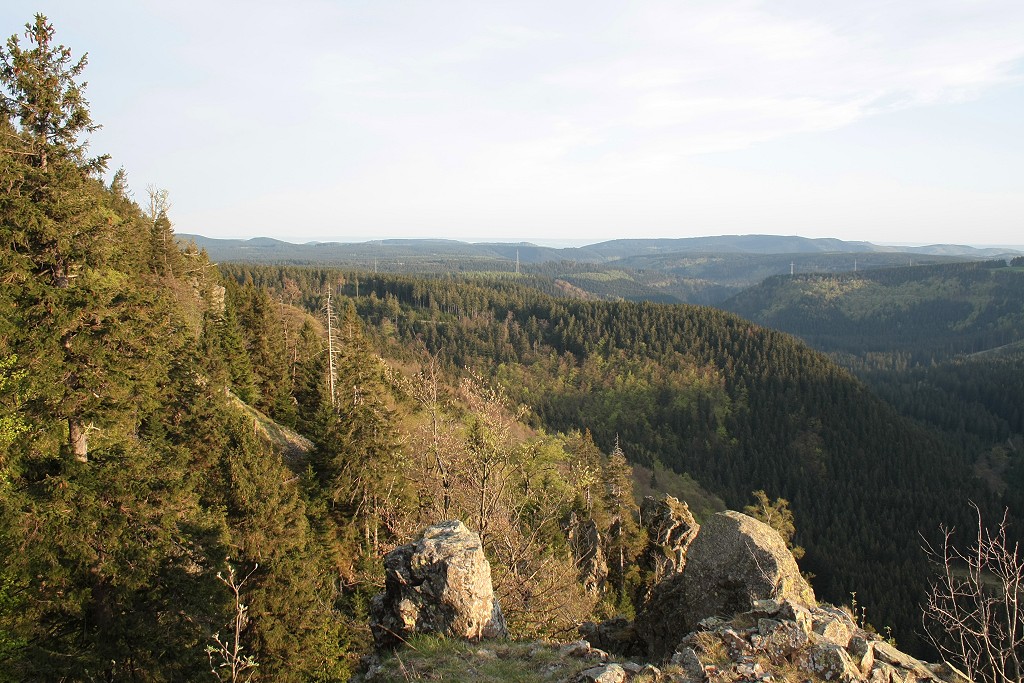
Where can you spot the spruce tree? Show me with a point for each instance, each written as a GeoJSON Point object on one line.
{"type": "Point", "coordinates": [53, 224]}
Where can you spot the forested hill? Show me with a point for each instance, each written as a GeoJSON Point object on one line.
{"type": "Point", "coordinates": [157, 524]}
{"type": "Point", "coordinates": [942, 343]}
{"type": "Point", "coordinates": [898, 317]}
{"type": "Point", "coordinates": [704, 270]}
{"type": "Point", "coordinates": [738, 406]}
{"type": "Point", "coordinates": [268, 250]}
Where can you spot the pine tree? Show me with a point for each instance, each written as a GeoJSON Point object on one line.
{"type": "Point", "coordinates": [623, 534]}
{"type": "Point", "coordinates": [53, 224]}
{"type": "Point", "coordinates": [585, 465]}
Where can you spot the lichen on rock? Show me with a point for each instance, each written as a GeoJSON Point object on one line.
{"type": "Point", "coordinates": [439, 584]}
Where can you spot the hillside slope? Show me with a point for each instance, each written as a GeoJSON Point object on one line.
{"type": "Point", "coordinates": [895, 318]}
{"type": "Point", "coordinates": [737, 406]}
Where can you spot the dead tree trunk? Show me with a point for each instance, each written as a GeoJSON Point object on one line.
{"type": "Point", "coordinates": [78, 439]}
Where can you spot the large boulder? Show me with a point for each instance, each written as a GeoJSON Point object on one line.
{"type": "Point", "coordinates": [439, 584]}
{"type": "Point", "coordinates": [734, 562]}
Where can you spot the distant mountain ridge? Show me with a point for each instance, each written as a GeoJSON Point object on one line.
{"type": "Point", "coordinates": [265, 249]}
{"type": "Point", "coordinates": [696, 270]}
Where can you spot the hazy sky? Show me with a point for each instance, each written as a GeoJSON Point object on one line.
{"type": "Point", "coordinates": [894, 121]}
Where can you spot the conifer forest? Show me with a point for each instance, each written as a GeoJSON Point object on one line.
{"type": "Point", "coordinates": [202, 464]}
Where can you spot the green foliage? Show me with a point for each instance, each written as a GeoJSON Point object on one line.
{"type": "Point", "coordinates": [44, 96]}
{"type": "Point", "coordinates": [109, 558]}
{"type": "Point", "coordinates": [11, 423]}
{"type": "Point", "coordinates": [778, 516]}
{"type": "Point", "coordinates": [658, 480]}
{"type": "Point", "coordinates": [894, 318]}
{"type": "Point", "coordinates": [736, 406]}
{"type": "Point", "coordinates": [624, 537]}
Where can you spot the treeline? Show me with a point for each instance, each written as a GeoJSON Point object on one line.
{"type": "Point", "coordinates": [940, 343]}
{"type": "Point", "coordinates": [737, 406]}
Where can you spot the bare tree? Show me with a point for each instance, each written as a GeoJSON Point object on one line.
{"type": "Point", "coordinates": [227, 663]}
{"type": "Point", "coordinates": [331, 344]}
{"type": "Point", "coordinates": [974, 615]}
{"type": "Point", "coordinates": [438, 438]}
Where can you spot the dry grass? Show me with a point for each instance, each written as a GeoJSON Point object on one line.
{"type": "Point", "coordinates": [429, 658]}
{"type": "Point", "coordinates": [711, 650]}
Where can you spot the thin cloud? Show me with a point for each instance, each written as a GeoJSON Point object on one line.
{"type": "Point", "coordinates": [456, 115]}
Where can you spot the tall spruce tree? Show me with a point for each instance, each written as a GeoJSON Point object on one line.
{"type": "Point", "coordinates": [53, 225]}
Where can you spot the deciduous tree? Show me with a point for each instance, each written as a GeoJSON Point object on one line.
{"type": "Point", "coordinates": [974, 615]}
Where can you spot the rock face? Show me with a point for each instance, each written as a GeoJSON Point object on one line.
{"type": "Point", "coordinates": [734, 562]}
{"type": "Point", "coordinates": [671, 529]}
{"type": "Point", "coordinates": [821, 643]}
{"type": "Point", "coordinates": [439, 584]}
{"type": "Point", "coordinates": [614, 635]}
{"type": "Point", "coordinates": [585, 541]}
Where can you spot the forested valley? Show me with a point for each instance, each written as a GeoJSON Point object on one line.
{"type": "Point", "coordinates": [733, 405]}
{"type": "Point", "coordinates": [201, 466]}
{"type": "Point", "coordinates": [943, 344]}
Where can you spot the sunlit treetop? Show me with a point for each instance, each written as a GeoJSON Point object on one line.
{"type": "Point", "coordinates": [43, 98]}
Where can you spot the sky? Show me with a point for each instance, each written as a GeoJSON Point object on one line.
{"type": "Point", "coordinates": [335, 120]}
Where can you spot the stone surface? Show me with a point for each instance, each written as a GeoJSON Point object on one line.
{"type": "Point", "coordinates": [885, 673]}
{"type": "Point", "coordinates": [798, 614]}
{"type": "Point", "coordinates": [650, 670]}
{"type": "Point", "coordinates": [616, 635]}
{"type": "Point", "coordinates": [830, 662]}
{"type": "Point", "coordinates": [778, 640]}
{"type": "Point", "coordinates": [687, 658]}
{"type": "Point", "coordinates": [834, 631]}
{"type": "Point", "coordinates": [734, 562]}
{"type": "Point", "coordinates": [632, 668]}
{"type": "Point", "coordinates": [585, 542]}
{"type": "Point", "coordinates": [577, 648]}
{"type": "Point", "coordinates": [737, 645]}
{"type": "Point", "coordinates": [946, 672]}
{"type": "Point", "coordinates": [439, 584]}
{"type": "Point", "coordinates": [671, 529]}
{"type": "Point", "coordinates": [766, 608]}
{"type": "Point", "coordinates": [661, 623]}
{"type": "Point", "coordinates": [863, 651]}
{"type": "Point", "coordinates": [606, 673]}
{"type": "Point", "coordinates": [884, 652]}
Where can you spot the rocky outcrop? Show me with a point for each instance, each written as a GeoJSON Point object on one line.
{"type": "Point", "coordinates": [614, 635]}
{"type": "Point", "coordinates": [824, 643]}
{"type": "Point", "coordinates": [671, 529]}
{"type": "Point", "coordinates": [585, 542]}
{"type": "Point", "coordinates": [734, 562]}
{"type": "Point", "coordinates": [739, 611]}
{"type": "Point", "coordinates": [776, 641]}
{"type": "Point", "coordinates": [439, 584]}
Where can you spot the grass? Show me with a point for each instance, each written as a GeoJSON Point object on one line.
{"type": "Point", "coordinates": [711, 650]}
{"type": "Point", "coordinates": [431, 658]}
{"type": "Point", "coordinates": [292, 445]}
